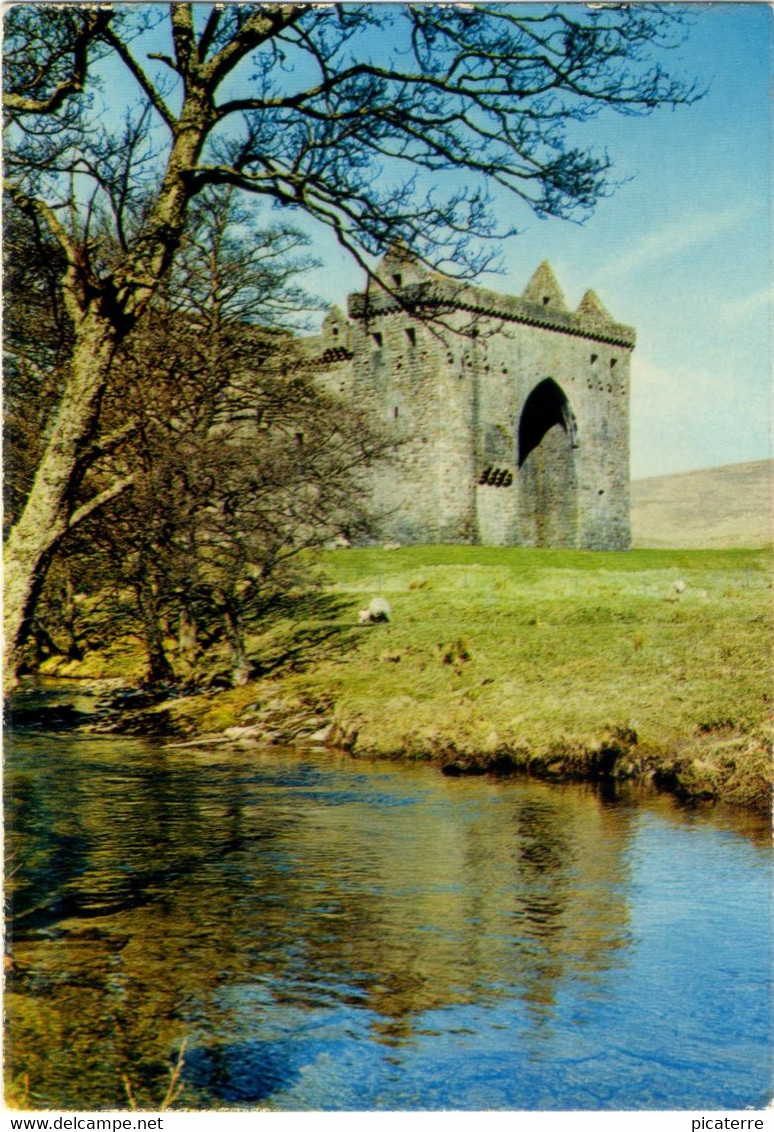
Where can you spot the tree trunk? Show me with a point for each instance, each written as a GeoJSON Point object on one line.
{"type": "Point", "coordinates": [73, 650]}
{"type": "Point", "coordinates": [240, 665]}
{"type": "Point", "coordinates": [44, 520]}
{"type": "Point", "coordinates": [188, 643]}
{"type": "Point", "coordinates": [159, 668]}
{"type": "Point", "coordinates": [45, 645]}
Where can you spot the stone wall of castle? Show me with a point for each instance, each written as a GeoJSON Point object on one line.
{"type": "Point", "coordinates": [509, 416]}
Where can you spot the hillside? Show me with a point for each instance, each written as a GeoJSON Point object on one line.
{"type": "Point", "coordinates": [729, 506]}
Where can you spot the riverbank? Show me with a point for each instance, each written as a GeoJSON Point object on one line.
{"type": "Point", "coordinates": [652, 666]}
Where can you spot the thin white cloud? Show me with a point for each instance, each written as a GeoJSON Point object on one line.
{"type": "Point", "coordinates": [672, 239]}
{"type": "Point", "coordinates": [684, 417]}
{"type": "Point", "coordinates": [748, 306]}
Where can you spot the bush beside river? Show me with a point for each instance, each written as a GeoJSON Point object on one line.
{"type": "Point", "coordinates": [651, 666]}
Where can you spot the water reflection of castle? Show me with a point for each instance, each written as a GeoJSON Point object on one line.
{"type": "Point", "coordinates": [273, 908]}
{"type": "Point", "coordinates": [520, 899]}
{"type": "Point", "coordinates": [265, 902]}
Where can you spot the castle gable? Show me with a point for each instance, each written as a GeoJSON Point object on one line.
{"type": "Point", "coordinates": [399, 269]}
{"type": "Point", "coordinates": [592, 312]}
{"type": "Point", "coordinates": [543, 289]}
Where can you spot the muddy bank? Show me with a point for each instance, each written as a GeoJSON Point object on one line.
{"type": "Point", "coordinates": [715, 765]}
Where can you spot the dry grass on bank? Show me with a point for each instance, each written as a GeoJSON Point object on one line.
{"type": "Point", "coordinates": [714, 507]}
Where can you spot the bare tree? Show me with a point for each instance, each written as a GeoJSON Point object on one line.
{"type": "Point", "coordinates": [352, 114]}
{"type": "Point", "coordinates": [237, 461]}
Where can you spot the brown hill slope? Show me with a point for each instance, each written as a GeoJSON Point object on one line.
{"type": "Point", "coordinates": [716, 507]}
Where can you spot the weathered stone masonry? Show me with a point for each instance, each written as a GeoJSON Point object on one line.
{"type": "Point", "coordinates": [511, 427]}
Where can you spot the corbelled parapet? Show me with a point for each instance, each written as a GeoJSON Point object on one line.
{"type": "Point", "coordinates": [333, 346]}
{"type": "Point", "coordinates": [331, 356]}
{"type": "Point", "coordinates": [541, 304]}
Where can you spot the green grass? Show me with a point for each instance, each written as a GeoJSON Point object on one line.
{"type": "Point", "coordinates": [492, 650]}
{"type": "Point", "coordinates": [546, 659]}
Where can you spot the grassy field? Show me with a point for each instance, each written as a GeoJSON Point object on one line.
{"type": "Point", "coordinates": [641, 664]}
{"type": "Point", "coordinates": [558, 661]}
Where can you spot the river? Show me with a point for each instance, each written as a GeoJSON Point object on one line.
{"type": "Point", "coordinates": [327, 934]}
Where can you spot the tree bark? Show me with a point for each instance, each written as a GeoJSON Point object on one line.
{"type": "Point", "coordinates": [159, 668]}
{"type": "Point", "coordinates": [188, 643]}
{"type": "Point", "coordinates": [46, 514]}
{"type": "Point", "coordinates": [45, 645]}
{"type": "Point", "coordinates": [240, 665]}
{"type": "Point", "coordinates": [73, 650]}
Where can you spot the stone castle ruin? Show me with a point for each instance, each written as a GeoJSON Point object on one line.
{"type": "Point", "coordinates": [510, 415]}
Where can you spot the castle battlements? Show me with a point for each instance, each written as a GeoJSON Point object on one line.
{"type": "Point", "coordinates": [540, 304]}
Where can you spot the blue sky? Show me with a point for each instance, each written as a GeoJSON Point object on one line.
{"type": "Point", "coordinates": [682, 251]}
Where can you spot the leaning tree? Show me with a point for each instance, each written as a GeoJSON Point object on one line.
{"type": "Point", "coordinates": [360, 116]}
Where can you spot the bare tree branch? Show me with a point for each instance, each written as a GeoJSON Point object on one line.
{"type": "Point", "coordinates": [149, 88]}
{"type": "Point", "coordinates": [93, 24]}
{"type": "Point", "coordinates": [99, 500]}
{"type": "Point", "coordinates": [262, 23]}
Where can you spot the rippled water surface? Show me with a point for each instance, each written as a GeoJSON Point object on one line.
{"type": "Point", "coordinates": [329, 934]}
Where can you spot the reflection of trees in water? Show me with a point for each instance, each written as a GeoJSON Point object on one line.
{"type": "Point", "coordinates": [118, 954]}
{"type": "Point", "coordinates": [228, 901]}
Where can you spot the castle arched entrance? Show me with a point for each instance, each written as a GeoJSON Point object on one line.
{"type": "Point", "coordinates": [547, 439]}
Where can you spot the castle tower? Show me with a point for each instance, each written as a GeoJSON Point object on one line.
{"type": "Point", "coordinates": [509, 416]}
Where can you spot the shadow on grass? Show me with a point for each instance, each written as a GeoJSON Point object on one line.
{"type": "Point", "coordinates": [321, 630]}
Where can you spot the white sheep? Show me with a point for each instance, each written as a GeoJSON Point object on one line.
{"type": "Point", "coordinates": [378, 610]}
